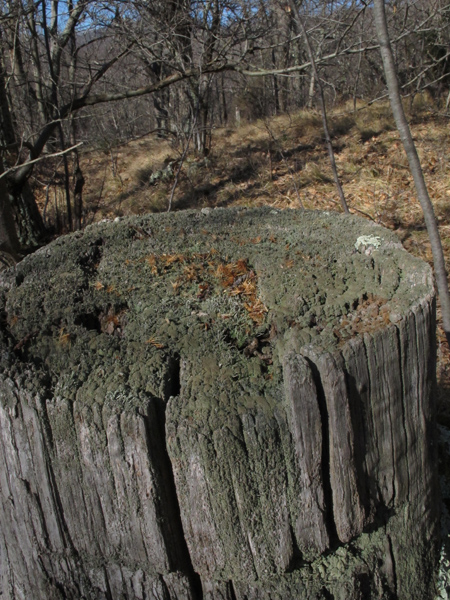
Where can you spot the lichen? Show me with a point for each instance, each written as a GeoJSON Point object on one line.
{"type": "Point", "coordinates": [172, 329]}
{"type": "Point", "coordinates": [368, 241]}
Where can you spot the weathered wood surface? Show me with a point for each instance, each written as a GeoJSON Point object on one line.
{"type": "Point", "coordinates": [231, 405]}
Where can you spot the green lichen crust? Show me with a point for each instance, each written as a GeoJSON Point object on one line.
{"type": "Point", "coordinates": [226, 403]}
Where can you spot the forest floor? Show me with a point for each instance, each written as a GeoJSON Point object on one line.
{"type": "Point", "coordinates": [283, 162]}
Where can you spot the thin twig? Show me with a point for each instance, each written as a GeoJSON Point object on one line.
{"type": "Point", "coordinates": [180, 166]}
{"type": "Point", "coordinates": [301, 27]}
{"type": "Point", "coordinates": [47, 198]}
{"type": "Point", "coordinates": [286, 163]}
{"type": "Point", "coordinates": [365, 214]}
{"type": "Point", "coordinates": [43, 157]}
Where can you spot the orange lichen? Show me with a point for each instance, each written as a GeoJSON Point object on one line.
{"type": "Point", "coordinates": [154, 341]}
{"type": "Point", "coordinates": [64, 338]}
{"type": "Point", "coordinates": [207, 270]}
{"type": "Point", "coordinates": [256, 311]}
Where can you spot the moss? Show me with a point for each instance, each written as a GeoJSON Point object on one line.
{"type": "Point", "coordinates": [197, 311]}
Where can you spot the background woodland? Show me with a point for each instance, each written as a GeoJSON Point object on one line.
{"type": "Point", "coordinates": [95, 75]}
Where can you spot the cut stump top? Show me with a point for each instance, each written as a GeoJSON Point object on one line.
{"type": "Point", "coordinates": [241, 398]}
{"type": "Point", "coordinates": [246, 281]}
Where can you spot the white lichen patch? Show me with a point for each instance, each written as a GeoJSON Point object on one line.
{"type": "Point", "coordinates": [443, 581]}
{"type": "Point", "coordinates": [443, 578]}
{"type": "Point", "coordinates": [368, 243]}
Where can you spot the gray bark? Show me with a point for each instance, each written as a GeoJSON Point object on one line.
{"type": "Point", "coordinates": [161, 438]}
{"type": "Point", "coordinates": [9, 241]}
{"type": "Point", "coordinates": [414, 162]}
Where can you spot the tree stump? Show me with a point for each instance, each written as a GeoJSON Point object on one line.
{"type": "Point", "coordinates": [226, 404]}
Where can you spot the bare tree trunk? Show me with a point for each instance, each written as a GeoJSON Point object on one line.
{"type": "Point", "coordinates": [38, 75]}
{"type": "Point", "coordinates": [312, 82]}
{"type": "Point", "coordinates": [79, 182]}
{"type": "Point", "coordinates": [9, 241]}
{"type": "Point", "coordinates": [78, 179]}
{"type": "Point", "coordinates": [202, 124]}
{"type": "Point", "coordinates": [326, 131]}
{"type": "Point", "coordinates": [275, 85]}
{"type": "Point", "coordinates": [414, 162]}
{"type": "Point", "coordinates": [224, 102]}
{"type": "Point", "coordinates": [29, 223]}
{"type": "Point", "coordinates": [20, 222]}
{"type": "Point", "coordinates": [66, 179]}
{"type": "Point", "coordinates": [358, 75]}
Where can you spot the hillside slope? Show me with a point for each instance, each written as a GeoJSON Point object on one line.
{"type": "Point", "coordinates": [283, 163]}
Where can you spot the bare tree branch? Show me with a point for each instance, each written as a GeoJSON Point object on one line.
{"type": "Point", "coordinates": [39, 159]}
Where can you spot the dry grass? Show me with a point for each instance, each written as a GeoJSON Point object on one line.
{"type": "Point", "coordinates": [283, 163]}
